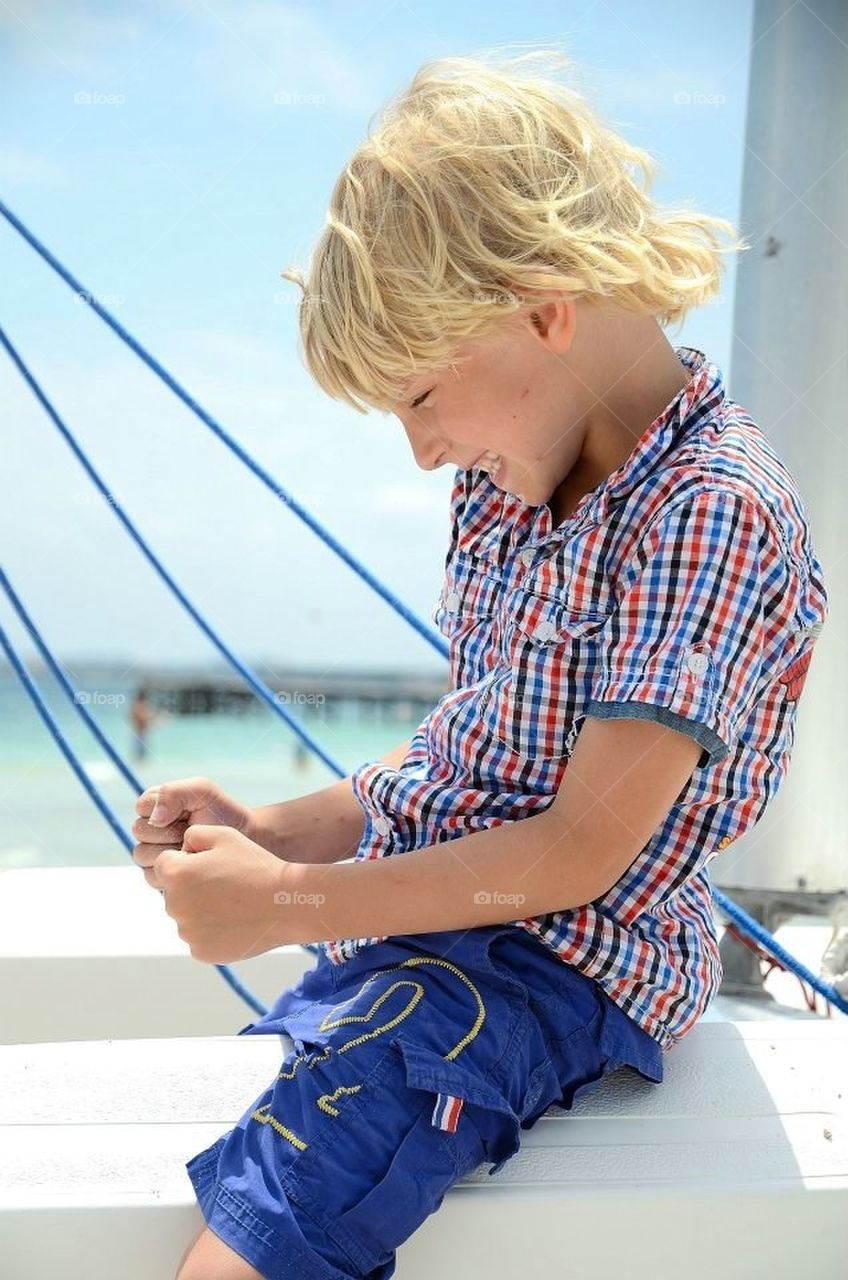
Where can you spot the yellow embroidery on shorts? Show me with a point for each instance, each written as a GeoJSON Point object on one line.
{"type": "Point", "coordinates": [330, 1021]}
{"type": "Point", "coordinates": [311, 1062]}
{"type": "Point", "coordinates": [290, 1075]}
{"type": "Point", "coordinates": [324, 1103]}
{"type": "Point", "coordinates": [278, 1127]}
{"type": "Point", "coordinates": [481, 1008]}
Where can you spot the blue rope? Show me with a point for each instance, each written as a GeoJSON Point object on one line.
{"type": "Point", "coordinates": [73, 760]}
{"type": "Point", "coordinates": [81, 710]}
{"type": "Point", "coordinates": [259, 687]}
{"type": "Point", "coordinates": [123, 768]}
{"type": "Point", "coordinates": [432, 637]}
{"type": "Point", "coordinates": [751, 926]}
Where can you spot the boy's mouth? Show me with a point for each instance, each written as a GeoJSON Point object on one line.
{"type": "Point", "coordinates": [490, 462]}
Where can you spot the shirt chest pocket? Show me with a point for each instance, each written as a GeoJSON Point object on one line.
{"type": "Point", "coordinates": [547, 661]}
{"type": "Point", "coordinates": [466, 614]}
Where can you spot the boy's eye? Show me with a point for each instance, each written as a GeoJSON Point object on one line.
{"type": "Point", "coordinates": [419, 399]}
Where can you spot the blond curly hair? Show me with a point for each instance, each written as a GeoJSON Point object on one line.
{"type": "Point", "coordinates": [484, 188]}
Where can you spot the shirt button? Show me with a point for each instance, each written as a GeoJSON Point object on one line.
{"type": "Point", "coordinates": [544, 630]}
{"type": "Point", "coordinates": [527, 557]}
{"type": "Point", "coordinates": [382, 825]}
{"type": "Point", "coordinates": [697, 663]}
{"type": "Point", "coordinates": [452, 601]}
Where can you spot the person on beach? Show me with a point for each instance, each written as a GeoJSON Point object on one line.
{"type": "Point", "coordinates": [142, 719]}
{"type": "Point", "coordinates": [516, 901]}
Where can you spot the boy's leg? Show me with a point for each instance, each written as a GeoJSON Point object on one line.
{"type": "Point", "coordinates": [408, 1072]}
{"type": "Point", "coordinates": [209, 1258]}
{"type": "Point", "coordinates": [415, 1062]}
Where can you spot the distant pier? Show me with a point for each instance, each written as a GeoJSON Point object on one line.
{"type": "Point", "coordinates": [389, 695]}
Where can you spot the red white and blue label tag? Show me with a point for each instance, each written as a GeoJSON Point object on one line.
{"type": "Point", "coordinates": [446, 1112]}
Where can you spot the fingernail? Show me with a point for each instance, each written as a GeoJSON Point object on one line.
{"type": "Point", "coordinates": [157, 817]}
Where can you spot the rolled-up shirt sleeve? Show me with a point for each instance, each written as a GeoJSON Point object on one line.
{"type": "Point", "coordinates": [706, 603]}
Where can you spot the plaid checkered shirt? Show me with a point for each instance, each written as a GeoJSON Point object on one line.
{"type": "Point", "coordinates": [683, 589]}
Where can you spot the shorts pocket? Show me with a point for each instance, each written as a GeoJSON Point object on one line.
{"type": "Point", "coordinates": [418, 1124]}
{"type": "Point", "coordinates": [405, 1139]}
{"type": "Point", "coordinates": [491, 1131]}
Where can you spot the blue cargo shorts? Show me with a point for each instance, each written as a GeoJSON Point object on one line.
{"type": "Point", "coordinates": [415, 1061]}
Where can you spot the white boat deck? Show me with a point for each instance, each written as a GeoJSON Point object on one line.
{"type": "Point", "coordinates": [88, 953]}
{"type": "Point", "coordinates": [737, 1163]}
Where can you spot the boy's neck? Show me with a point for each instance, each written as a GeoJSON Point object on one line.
{"type": "Point", "coordinates": [618, 418]}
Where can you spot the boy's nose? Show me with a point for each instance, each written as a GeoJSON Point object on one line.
{"type": "Point", "coordinates": [426, 448]}
{"type": "Point", "coordinates": [427, 464]}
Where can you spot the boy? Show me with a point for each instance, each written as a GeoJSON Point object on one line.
{"type": "Point", "coordinates": [631, 598]}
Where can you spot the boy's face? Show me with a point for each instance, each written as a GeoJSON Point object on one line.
{"type": "Point", "coordinates": [510, 406]}
{"type": "Point", "coordinates": [551, 403]}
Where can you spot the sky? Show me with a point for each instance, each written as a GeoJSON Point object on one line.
{"type": "Point", "coordinates": [176, 157]}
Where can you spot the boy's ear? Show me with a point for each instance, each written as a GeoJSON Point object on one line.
{"type": "Point", "coordinates": [556, 321]}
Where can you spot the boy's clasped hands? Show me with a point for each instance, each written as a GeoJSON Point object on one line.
{"type": "Point", "coordinates": [230, 897]}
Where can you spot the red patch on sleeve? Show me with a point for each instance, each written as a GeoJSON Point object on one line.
{"type": "Point", "coordinates": [795, 675]}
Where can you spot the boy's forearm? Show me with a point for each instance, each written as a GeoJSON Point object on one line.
{"type": "Point", "coordinates": [505, 873]}
{"type": "Point", "coordinates": [322, 827]}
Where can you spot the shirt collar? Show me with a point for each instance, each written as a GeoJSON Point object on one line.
{"type": "Point", "coordinates": [494, 521]}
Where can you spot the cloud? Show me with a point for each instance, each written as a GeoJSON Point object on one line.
{"type": "Point", "coordinates": [20, 167]}
{"type": "Point", "coordinates": [664, 91]}
{"type": "Point", "coordinates": [253, 566]}
{"type": "Point", "coordinates": [260, 55]}
{"type": "Point", "coordinates": [271, 55]}
{"type": "Point", "coordinates": [82, 39]}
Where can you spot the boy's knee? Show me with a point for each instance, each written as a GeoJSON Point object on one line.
{"type": "Point", "coordinates": [209, 1258]}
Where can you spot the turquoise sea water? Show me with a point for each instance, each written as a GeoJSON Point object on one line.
{"type": "Point", "coordinates": [48, 819]}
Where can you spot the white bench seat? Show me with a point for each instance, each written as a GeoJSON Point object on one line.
{"type": "Point", "coordinates": [737, 1165]}
{"type": "Point", "coordinates": [89, 953]}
